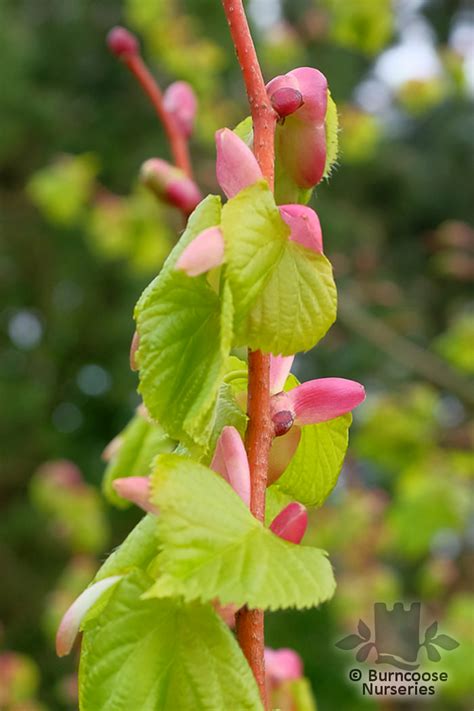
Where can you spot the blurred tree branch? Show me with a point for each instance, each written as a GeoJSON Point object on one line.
{"type": "Point", "coordinates": [412, 356]}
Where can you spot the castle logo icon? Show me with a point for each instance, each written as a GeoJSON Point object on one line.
{"type": "Point", "coordinates": [396, 638]}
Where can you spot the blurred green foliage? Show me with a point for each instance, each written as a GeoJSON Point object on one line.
{"type": "Point", "coordinates": [79, 242]}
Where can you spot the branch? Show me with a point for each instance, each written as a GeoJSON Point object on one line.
{"type": "Point", "coordinates": [413, 357]}
{"type": "Point", "coordinates": [178, 143]}
{"type": "Point", "coordinates": [263, 116]}
{"type": "Point", "coordinates": [125, 46]}
{"type": "Point", "coordinates": [250, 623]}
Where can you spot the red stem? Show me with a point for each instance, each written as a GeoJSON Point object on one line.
{"type": "Point", "coordinates": [250, 623]}
{"type": "Point", "coordinates": [178, 142]}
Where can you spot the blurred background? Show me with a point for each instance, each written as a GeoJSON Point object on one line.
{"type": "Point", "coordinates": [80, 241]}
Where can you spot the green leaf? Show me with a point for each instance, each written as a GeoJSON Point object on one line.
{"type": "Point", "coordinates": [212, 546]}
{"type": "Point", "coordinates": [244, 130]}
{"type": "Point", "coordinates": [141, 441]}
{"type": "Point", "coordinates": [255, 237]}
{"type": "Point", "coordinates": [298, 305]}
{"type": "Point", "coordinates": [185, 333]}
{"type": "Point", "coordinates": [228, 413]}
{"type": "Point", "coordinates": [332, 136]}
{"type": "Point", "coordinates": [162, 655]}
{"type": "Point", "coordinates": [284, 294]}
{"type": "Point", "coordinates": [276, 501]}
{"type": "Point", "coordinates": [236, 374]}
{"type": "Point", "coordinates": [314, 470]}
{"type": "Point", "coordinates": [137, 551]}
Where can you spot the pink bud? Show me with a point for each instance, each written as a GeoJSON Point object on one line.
{"type": "Point", "coordinates": [291, 523]}
{"type": "Point", "coordinates": [302, 139]}
{"type": "Point", "coordinates": [71, 621]}
{"type": "Point", "coordinates": [137, 490]}
{"type": "Point", "coordinates": [282, 665]}
{"type": "Point", "coordinates": [279, 371]}
{"type": "Point", "coordinates": [230, 461]}
{"type": "Point", "coordinates": [170, 184]}
{"type": "Point", "coordinates": [324, 399]}
{"type": "Point", "coordinates": [183, 194]}
{"type": "Point", "coordinates": [313, 87]}
{"type": "Point", "coordinates": [205, 252]}
{"type": "Point", "coordinates": [304, 225]}
{"type": "Point", "coordinates": [133, 351]}
{"type": "Point", "coordinates": [121, 42]}
{"type": "Point", "coordinates": [286, 101]}
{"type": "Point", "coordinates": [179, 100]}
{"type": "Point", "coordinates": [236, 165]}
{"type": "Point", "coordinates": [303, 153]}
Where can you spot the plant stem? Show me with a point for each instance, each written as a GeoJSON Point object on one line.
{"type": "Point", "coordinates": [178, 142]}
{"type": "Point", "coordinates": [263, 115]}
{"type": "Point", "coordinates": [250, 623]}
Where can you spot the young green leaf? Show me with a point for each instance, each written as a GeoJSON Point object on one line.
{"type": "Point", "coordinates": [228, 413]}
{"type": "Point", "coordinates": [141, 441]}
{"type": "Point", "coordinates": [162, 654]}
{"type": "Point", "coordinates": [313, 472]}
{"type": "Point", "coordinates": [236, 374]}
{"type": "Point", "coordinates": [255, 237]}
{"type": "Point", "coordinates": [284, 294]}
{"type": "Point", "coordinates": [213, 547]}
{"type": "Point", "coordinates": [332, 136]}
{"type": "Point", "coordinates": [244, 130]}
{"type": "Point", "coordinates": [276, 501]}
{"type": "Point", "coordinates": [185, 333]}
{"type": "Point", "coordinates": [299, 300]}
{"type": "Point", "coordinates": [137, 550]}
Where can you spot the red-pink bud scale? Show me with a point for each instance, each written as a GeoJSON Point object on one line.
{"type": "Point", "coordinates": [291, 523]}
{"type": "Point", "coordinates": [286, 101]}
